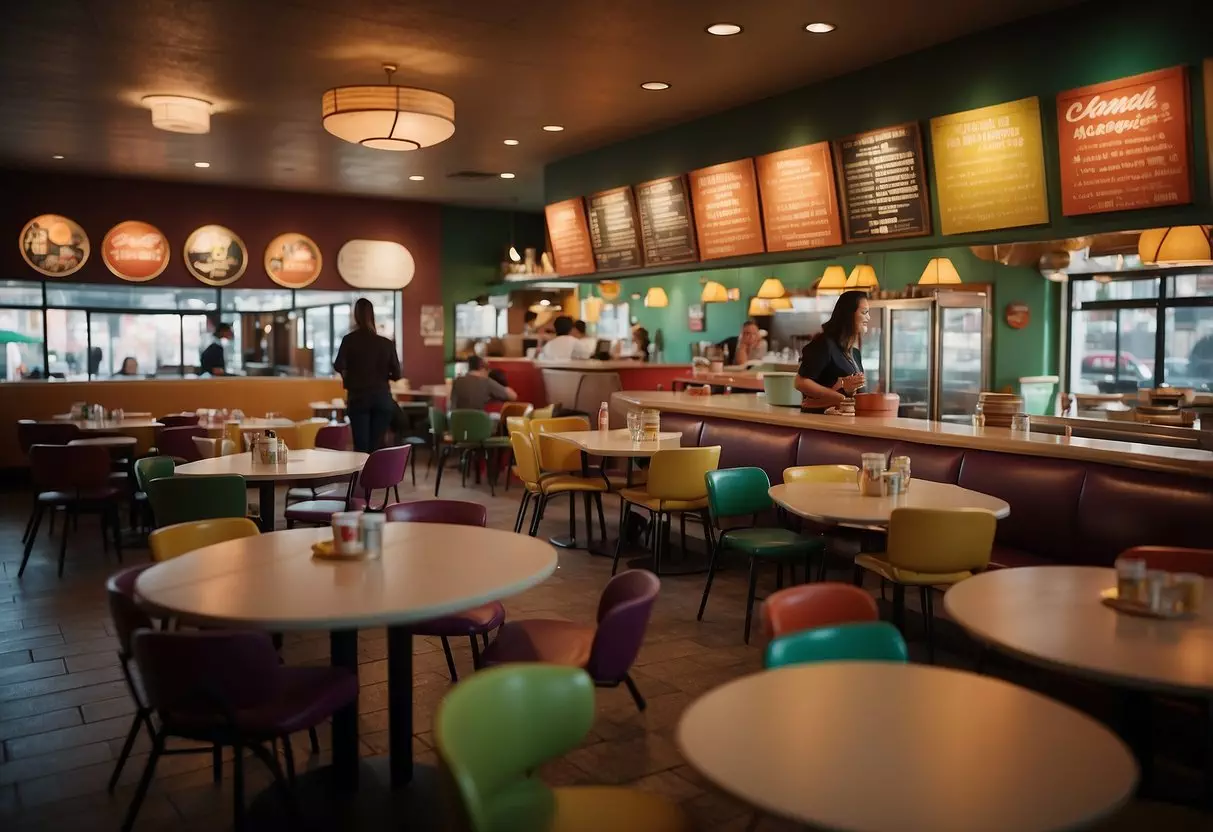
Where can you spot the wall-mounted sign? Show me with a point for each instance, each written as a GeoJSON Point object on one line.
{"type": "Point", "coordinates": [53, 245]}
{"type": "Point", "coordinates": [570, 236]}
{"type": "Point", "coordinates": [293, 260]}
{"type": "Point", "coordinates": [1124, 144]}
{"type": "Point", "coordinates": [990, 168]}
{"type": "Point", "coordinates": [614, 235]}
{"type": "Point", "coordinates": [884, 191]}
{"type": "Point", "coordinates": [432, 325]}
{"type": "Point", "coordinates": [665, 222]}
{"type": "Point", "coordinates": [215, 255]}
{"type": "Point", "coordinates": [1017, 315]}
{"type": "Point", "coordinates": [725, 200]}
{"type": "Point", "coordinates": [375, 264]}
{"type": "Point", "coordinates": [799, 203]}
{"type": "Point", "coordinates": [695, 322]}
{"type": "Point", "coordinates": [135, 250]}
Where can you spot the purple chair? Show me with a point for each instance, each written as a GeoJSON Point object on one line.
{"type": "Point", "coordinates": [335, 438]}
{"type": "Point", "coordinates": [606, 651]}
{"type": "Point", "coordinates": [31, 433]}
{"type": "Point", "coordinates": [227, 688]}
{"type": "Point", "coordinates": [479, 621]}
{"type": "Point", "coordinates": [178, 442]}
{"type": "Point", "coordinates": [330, 438]}
{"type": "Point", "coordinates": [384, 469]}
{"type": "Point", "coordinates": [179, 420]}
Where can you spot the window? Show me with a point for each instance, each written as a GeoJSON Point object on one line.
{"type": "Point", "coordinates": [256, 300]}
{"type": "Point", "coordinates": [20, 293]}
{"type": "Point", "coordinates": [68, 354]}
{"type": "Point", "coordinates": [128, 296]}
{"type": "Point", "coordinates": [21, 344]}
{"type": "Point", "coordinates": [1188, 348]}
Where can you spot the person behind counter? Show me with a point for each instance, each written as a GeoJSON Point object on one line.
{"type": "Point", "coordinates": [130, 367]}
{"type": "Point", "coordinates": [368, 363]}
{"type": "Point", "coordinates": [566, 345]}
{"type": "Point", "coordinates": [638, 349]}
{"type": "Point", "coordinates": [831, 368]}
{"type": "Point", "coordinates": [477, 387]}
{"type": "Point", "coordinates": [746, 346]}
{"type": "Point", "coordinates": [213, 360]}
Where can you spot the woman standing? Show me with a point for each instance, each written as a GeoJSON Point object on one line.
{"type": "Point", "coordinates": [367, 363]}
{"type": "Point", "coordinates": [831, 368]}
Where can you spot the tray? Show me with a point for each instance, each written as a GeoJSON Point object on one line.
{"type": "Point", "coordinates": [1109, 598]}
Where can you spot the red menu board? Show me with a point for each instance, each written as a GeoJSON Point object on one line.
{"type": "Point", "coordinates": [799, 204]}
{"type": "Point", "coordinates": [1124, 144]}
{"type": "Point", "coordinates": [725, 202]}
{"type": "Point", "coordinates": [570, 236]}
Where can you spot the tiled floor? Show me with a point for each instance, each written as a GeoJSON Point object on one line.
{"type": "Point", "coordinates": [64, 709]}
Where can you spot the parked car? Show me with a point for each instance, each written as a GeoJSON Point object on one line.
{"type": "Point", "coordinates": [1099, 370]}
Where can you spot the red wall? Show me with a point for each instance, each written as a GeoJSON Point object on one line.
{"type": "Point", "coordinates": [257, 216]}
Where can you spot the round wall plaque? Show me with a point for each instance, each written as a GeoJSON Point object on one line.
{"type": "Point", "coordinates": [215, 255]}
{"type": "Point", "coordinates": [135, 250]}
{"type": "Point", "coordinates": [293, 260]}
{"type": "Point", "coordinates": [53, 245]}
{"type": "Point", "coordinates": [1017, 315]}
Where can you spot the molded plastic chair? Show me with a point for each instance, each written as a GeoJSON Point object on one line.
{"type": "Point", "coordinates": [383, 470]}
{"type": "Point", "coordinates": [472, 434]}
{"type": "Point", "coordinates": [172, 541]}
{"type": "Point", "coordinates": [305, 434]}
{"type": "Point", "coordinates": [737, 492]}
{"type": "Point", "coordinates": [335, 438]}
{"type": "Point", "coordinates": [181, 499]}
{"type": "Point", "coordinates": [511, 410]}
{"type": "Point", "coordinates": [605, 651]}
{"type": "Point", "coordinates": [227, 688]}
{"type": "Point", "coordinates": [564, 458]}
{"type": "Point", "coordinates": [495, 729]}
{"type": "Point", "coordinates": [821, 473]}
{"type": "Point", "coordinates": [540, 488]}
{"type": "Point", "coordinates": [927, 548]}
{"type": "Point", "coordinates": [546, 412]}
{"type": "Point", "coordinates": [809, 606]}
{"type": "Point", "coordinates": [178, 442]}
{"type": "Point", "coordinates": [150, 468]}
{"type": "Point", "coordinates": [178, 420]}
{"type": "Point", "coordinates": [330, 438]}
{"type": "Point", "coordinates": [867, 641]}
{"type": "Point", "coordinates": [210, 448]}
{"type": "Point", "coordinates": [30, 433]}
{"type": "Point", "coordinates": [1174, 559]}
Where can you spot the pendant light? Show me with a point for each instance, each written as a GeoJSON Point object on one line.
{"type": "Point", "coordinates": [387, 116]}
{"type": "Point", "coordinates": [759, 307]}
{"type": "Point", "coordinates": [863, 277]}
{"type": "Point", "coordinates": [777, 304]}
{"type": "Point", "coordinates": [656, 298]}
{"type": "Point", "coordinates": [1181, 245]}
{"type": "Point", "coordinates": [939, 272]}
{"type": "Point", "coordinates": [714, 292]}
{"type": "Point", "coordinates": [771, 288]}
{"type": "Point", "coordinates": [833, 280]}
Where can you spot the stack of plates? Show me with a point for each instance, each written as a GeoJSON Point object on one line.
{"type": "Point", "coordinates": [1000, 407]}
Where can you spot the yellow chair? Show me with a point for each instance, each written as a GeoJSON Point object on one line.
{"type": "Point", "coordinates": [541, 487]}
{"type": "Point", "coordinates": [676, 485]}
{"type": "Point", "coordinates": [929, 547]}
{"type": "Point", "coordinates": [544, 412]}
{"type": "Point", "coordinates": [514, 410]}
{"type": "Point", "coordinates": [172, 541]}
{"type": "Point", "coordinates": [821, 473]}
{"type": "Point", "coordinates": [305, 434]}
{"type": "Point", "coordinates": [560, 457]}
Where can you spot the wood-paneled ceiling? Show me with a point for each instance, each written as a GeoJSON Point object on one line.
{"type": "Point", "coordinates": [72, 73]}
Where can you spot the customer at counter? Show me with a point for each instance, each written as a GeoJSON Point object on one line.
{"type": "Point", "coordinates": [367, 363]}
{"type": "Point", "coordinates": [566, 345]}
{"type": "Point", "coordinates": [744, 347]}
{"type": "Point", "coordinates": [831, 368]}
{"type": "Point", "coordinates": [213, 360]}
{"type": "Point", "coordinates": [477, 387]}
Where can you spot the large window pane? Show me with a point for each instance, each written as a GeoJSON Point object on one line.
{"type": "Point", "coordinates": [311, 297]}
{"type": "Point", "coordinates": [21, 344]}
{"type": "Point", "coordinates": [1083, 291]}
{"type": "Point", "coordinates": [20, 293]}
{"type": "Point", "coordinates": [153, 341]}
{"type": "Point", "coordinates": [1189, 348]}
{"type": "Point", "coordinates": [1190, 285]}
{"type": "Point", "coordinates": [1096, 366]}
{"type": "Point", "coordinates": [67, 343]}
{"type": "Point", "coordinates": [319, 339]}
{"type": "Point", "coordinates": [196, 339]}
{"type": "Point", "coordinates": [255, 300]}
{"type": "Point", "coordinates": [129, 296]}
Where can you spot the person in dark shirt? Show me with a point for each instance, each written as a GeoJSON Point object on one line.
{"type": "Point", "coordinates": [212, 361]}
{"type": "Point", "coordinates": [367, 363]}
{"type": "Point", "coordinates": [831, 368]}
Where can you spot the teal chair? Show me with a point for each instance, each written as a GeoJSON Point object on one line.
{"type": "Point", "coordinates": [185, 499]}
{"type": "Point", "coordinates": [867, 641]}
{"type": "Point", "coordinates": [147, 469]}
{"type": "Point", "coordinates": [472, 434]}
{"type": "Point", "coordinates": [742, 492]}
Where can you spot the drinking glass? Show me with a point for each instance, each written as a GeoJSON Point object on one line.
{"type": "Point", "coordinates": [1020, 423]}
{"type": "Point", "coordinates": [633, 425]}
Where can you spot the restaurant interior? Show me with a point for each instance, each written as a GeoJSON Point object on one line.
{"type": "Point", "coordinates": [570, 416]}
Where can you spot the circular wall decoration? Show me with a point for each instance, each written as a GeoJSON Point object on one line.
{"type": "Point", "coordinates": [293, 260]}
{"type": "Point", "coordinates": [53, 245]}
{"type": "Point", "coordinates": [135, 250]}
{"type": "Point", "coordinates": [1017, 315]}
{"type": "Point", "coordinates": [375, 264]}
{"type": "Point", "coordinates": [215, 255]}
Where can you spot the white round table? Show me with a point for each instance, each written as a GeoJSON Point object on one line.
{"type": "Point", "coordinates": [842, 504]}
{"type": "Point", "coordinates": [314, 464]}
{"type": "Point", "coordinates": [905, 748]}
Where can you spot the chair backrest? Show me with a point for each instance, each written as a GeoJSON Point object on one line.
{"type": "Point", "coordinates": [546, 412]}
{"type": "Point", "coordinates": [178, 420]}
{"type": "Point", "coordinates": [182, 499]}
{"type": "Point", "coordinates": [467, 425]}
{"type": "Point", "coordinates": [808, 606]}
{"type": "Point", "coordinates": [733, 492]}
{"type": "Point", "coordinates": [496, 727]}
{"type": "Point", "coordinates": [681, 473]}
{"type": "Point", "coordinates": [525, 459]}
{"type": "Point", "coordinates": [514, 424]}
{"type": "Point", "coordinates": [555, 455]}
{"type": "Point", "coordinates": [153, 468]}
{"type": "Point", "coordinates": [179, 441]}
{"type": "Point", "coordinates": [437, 423]}
{"type": "Point", "coordinates": [821, 473]}
{"type": "Point", "coordinates": [206, 447]}
{"type": "Point", "coordinates": [868, 641]}
{"type": "Point", "coordinates": [455, 512]}
{"type": "Point", "coordinates": [30, 433]}
{"type": "Point", "coordinates": [127, 615]}
{"type": "Point", "coordinates": [623, 616]}
{"type": "Point", "coordinates": [67, 467]}
{"type": "Point", "coordinates": [510, 409]}
{"type": "Point", "coordinates": [173, 541]}
{"type": "Point", "coordinates": [940, 540]}
{"type": "Point", "coordinates": [383, 469]}
{"type": "Point", "coordinates": [1174, 559]}
{"type": "Point", "coordinates": [335, 438]}
{"type": "Point", "coordinates": [305, 434]}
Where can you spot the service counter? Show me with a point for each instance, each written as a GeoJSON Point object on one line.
{"type": "Point", "coordinates": [583, 385]}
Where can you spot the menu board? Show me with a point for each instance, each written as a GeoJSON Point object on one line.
{"type": "Point", "coordinates": [613, 235]}
{"type": "Point", "coordinates": [990, 168]}
{"type": "Point", "coordinates": [799, 204]}
{"type": "Point", "coordinates": [135, 251]}
{"type": "Point", "coordinates": [570, 236]}
{"type": "Point", "coordinates": [215, 255]}
{"type": "Point", "coordinates": [725, 200]}
{"type": "Point", "coordinates": [293, 260]}
{"type": "Point", "coordinates": [53, 245]}
{"type": "Point", "coordinates": [1124, 144]}
{"type": "Point", "coordinates": [665, 221]}
{"type": "Point", "coordinates": [884, 193]}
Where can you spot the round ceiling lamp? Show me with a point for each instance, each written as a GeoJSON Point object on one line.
{"type": "Point", "coordinates": [179, 114]}
{"type": "Point", "coordinates": [1180, 245]}
{"type": "Point", "coordinates": [939, 271]}
{"type": "Point", "coordinates": [388, 117]}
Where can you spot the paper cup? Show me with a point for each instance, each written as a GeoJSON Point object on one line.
{"type": "Point", "coordinates": [347, 539]}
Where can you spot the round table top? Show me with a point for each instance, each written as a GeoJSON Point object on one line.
{"type": "Point", "coordinates": [129, 414]}
{"type": "Point", "coordinates": [841, 502]}
{"type": "Point", "coordinates": [618, 443]}
{"type": "Point", "coordinates": [883, 746]}
{"type": "Point", "coordinates": [435, 391]}
{"type": "Point", "coordinates": [1052, 616]}
{"type": "Point", "coordinates": [107, 441]}
{"type": "Point", "coordinates": [109, 424]}
{"type": "Point", "coordinates": [301, 465]}
{"type": "Point", "coordinates": [272, 582]}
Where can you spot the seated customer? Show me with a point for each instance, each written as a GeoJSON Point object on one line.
{"type": "Point", "coordinates": [475, 389]}
{"type": "Point", "coordinates": [566, 345]}
{"type": "Point", "coordinates": [637, 348]}
{"type": "Point", "coordinates": [745, 347]}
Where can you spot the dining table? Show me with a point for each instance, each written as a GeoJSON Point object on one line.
{"type": "Point", "coordinates": [842, 504]}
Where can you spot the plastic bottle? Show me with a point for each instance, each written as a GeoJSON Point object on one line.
{"type": "Point", "coordinates": [604, 417]}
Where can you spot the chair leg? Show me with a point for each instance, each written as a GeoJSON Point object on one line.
{"type": "Point", "coordinates": [707, 587]}
{"type": "Point", "coordinates": [314, 740]}
{"type": "Point", "coordinates": [623, 530]}
{"type": "Point", "coordinates": [928, 620]}
{"type": "Point", "coordinates": [522, 507]}
{"type": "Point", "coordinates": [601, 517]}
{"type": "Point", "coordinates": [899, 607]}
{"type": "Point", "coordinates": [131, 735]}
{"type": "Point", "coordinates": [858, 576]}
{"type": "Point", "coordinates": [538, 518]}
{"type": "Point", "coordinates": [116, 522]}
{"type": "Point", "coordinates": [238, 787]}
{"type": "Point", "coordinates": [441, 464]}
{"type": "Point", "coordinates": [682, 531]}
{"type": "Point", "coordinates": [572, 516]}
{"type": "Point", "coordinates": [67, 524]}
{"type": "Point", "coordinates": [632, 689]}
{"type": "Point", "coordinates": [475, 653]}
{"type": "Point", "coordinates": [288, 754]}
{"type": "Point", "coordinates": [450, 660]}
{"type": "Point", "coordinates": [280, 781]}
{"type": "Point", "coordinates": [29, 524]}
{"type": "Point", "coordinates": [149, 769]}
{"type": "Point", "coordinates": [33, 535]}
{"type": "Point", "coordinates": [490, 462]}
{"type": "Point", "coordinates": [412, 467]}
{"type": "Point", "coordinates": [749, 599]}
{"type": "Point", "coordinates": [395, 492]}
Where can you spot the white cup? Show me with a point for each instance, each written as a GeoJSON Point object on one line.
{"type": "Point", "coordinates": [347, 537]}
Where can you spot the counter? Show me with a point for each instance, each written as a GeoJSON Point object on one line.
{"type": "Point", "coordinates": [583, 385]}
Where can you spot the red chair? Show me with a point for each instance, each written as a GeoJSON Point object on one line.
{"type": "Point", "coordinates": [1174, 559]}
{"type": "Point", "coordinates": [808, 606]}
{"type": "Point", "coordinates": [178, 442]}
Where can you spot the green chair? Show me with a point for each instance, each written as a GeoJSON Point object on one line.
{"type": "Point", "coordinates": [867, 641]}
{"type": "Point", "coordinates": [472, 434]}
{"type": "Point", "coordinates": [185, 499]}
{"type": "Point", "coordinates": [494, 729]}
{"type": "Point", "coordinates": [147, 469]}
{"type": "Point", "coordinates": [438, 436]}
{"type": "Point", "coordinates": [737, 492]}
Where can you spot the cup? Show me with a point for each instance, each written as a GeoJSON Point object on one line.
{"type": "Point", "coordinates": [1020, 423]}
{"type": "Point", "coordinates": [371, 529]}
{"type": "Point", "coordinates": [1131, 580]}
{"type": "Point", "coordinates": [633, 425]}
{"type": "Point", "coordinates": [1156, 582]}
{"type": "Point", "coordinates": [891, 484]}
{"type": "Point", "coordinates": [1192, 588]}
{"type": "Point", "coordinates": [347, 534]}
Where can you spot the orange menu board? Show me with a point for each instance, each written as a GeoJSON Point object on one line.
{"type": "Point", "coordinates": [1124, 144]}
{"type": "Point", "coordinates": [725, 201]}
{"type": "Point", "coordinates": [990, 168]}
{"type": "Point", "coordinates": [570, 236]}
{"type": "Point", "coordinates": [799, 204]}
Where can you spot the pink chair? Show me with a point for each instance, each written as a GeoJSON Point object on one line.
{"type": "Point", "coordinates": [808, 606]}
{"type": "Point", "coordinates": [383, 470]}
{"type": "Point", "coordinates": [1174, 559]}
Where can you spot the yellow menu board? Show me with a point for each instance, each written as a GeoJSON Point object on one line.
{"type": "Point", "coordinates": [990, 168]}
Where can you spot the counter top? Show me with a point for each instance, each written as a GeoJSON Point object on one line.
{"type": "Point", "coordinates": [754, 408]}
{"type": "Point", "coordinates": [591, 365]}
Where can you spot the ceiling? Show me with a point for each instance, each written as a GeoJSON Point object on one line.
{"type": "Point", "coordinates": [72, 73]}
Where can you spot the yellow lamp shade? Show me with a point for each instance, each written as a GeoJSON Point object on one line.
{"type": "Point", "coordinates": [833, 279]}
{"type": "Point", "coordinates": [862, 277]}
{"type": "Point", "coordinates": [776, 304]}
{"type": "Point", "coordinates": [939, 271]}
{"type": "Point", "coordinates": [772, 287]}
{"type": "Point", "coordinates": [714, 292]}
{"type": "Point", "coordinates": [591, 310]}
{"type": "Point", "coordinates": [1181, 245]}
{"type": "Point", "coordinates": [656, 298]}
{"type": "Point", "coordinates": [609, 289]}
{"type": "Point", "coordinates": [759, 306]}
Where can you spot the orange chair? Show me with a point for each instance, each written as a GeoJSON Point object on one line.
{"type": "Point", "coordinates": [808, 606]}
{"type": "Point", "coordinates": [1174, 559]}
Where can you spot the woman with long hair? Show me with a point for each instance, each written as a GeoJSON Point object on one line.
{"type": "Point", "coordinates": [368, 363]}
{"type": "Point", "coordinates": [831, 368]}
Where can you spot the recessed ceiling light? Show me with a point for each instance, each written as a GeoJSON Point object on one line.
{"type": "Point", "coordinates": [57, 156]}
{"type": "Point", "coordinates": [416, 177]}
{"type": "Point", "coordinates": [552, 128]}
{"type": "Point", "coordinates": [724, 29]}
{"type": "Point", "coordinates": [202, 164]}
{"type": "Point", "coordinates": [507, 176]}
{"type": "Point", "coordinates": [654, 85]}
{"type": "Point", "coordinates": [510, 142]}
{"type": "Point", "coordinates": [819, 28]}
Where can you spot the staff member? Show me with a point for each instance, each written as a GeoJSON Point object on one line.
{"type": "Point", "coordinates": [213, 361]}
{"type": "Point", "coordinates": [368, 363]}
{"type": "Point", "coordinates": [831, 368]}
